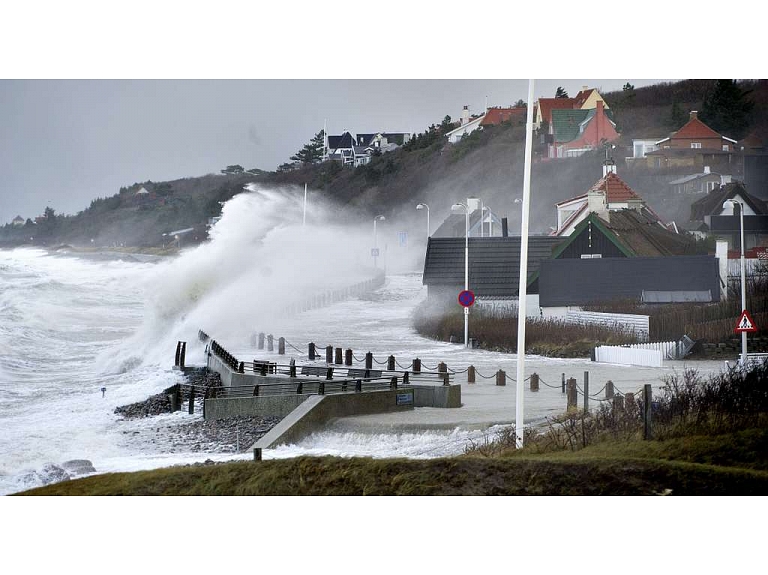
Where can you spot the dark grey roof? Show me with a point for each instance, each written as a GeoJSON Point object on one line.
{"type": "Point", "coordinates": [344, 141]}
{"type": "Point", "coordinates": [494, 263]}
{"type": "Point", "coordinates": [752, 224]}
{"type": "Point", "coordinates": [581, 282]}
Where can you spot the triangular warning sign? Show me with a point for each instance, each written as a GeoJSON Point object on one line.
{"type": "Point", "coordinates": [745, 324]}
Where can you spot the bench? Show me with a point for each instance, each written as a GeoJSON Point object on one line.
{"type": "Point", "coordinates": [365, 373]}
{"type": "Point", "coordinates": [314, 370]}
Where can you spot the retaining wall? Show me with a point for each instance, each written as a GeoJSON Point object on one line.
{"type": "Point", "coordinates": [317, 410]}
{"type": "Point", "coordinates": [261, 406]}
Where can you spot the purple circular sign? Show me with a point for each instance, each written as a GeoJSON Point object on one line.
{"type": "Point", "coordinates": [466, 298]}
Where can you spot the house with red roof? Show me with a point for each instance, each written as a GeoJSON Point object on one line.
{"type": "Point", "coordinates": [609, 194]}
{"type": "Point", "coordinates": [586, 99]}
{"type": "Point", "coordinates": [695, 144]}
{"type": "Point", "coordinates": [495, 116]}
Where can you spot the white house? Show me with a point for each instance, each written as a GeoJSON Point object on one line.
{"type": "Point", "coordinates": [468, 125]}
{"type": "Point", "coordinates": [17, 221]}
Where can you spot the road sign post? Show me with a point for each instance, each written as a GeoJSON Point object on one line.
{"type": "Point", "coordinates": [744, 326]}
{"type": "Point", "coordinates": [466, 300]}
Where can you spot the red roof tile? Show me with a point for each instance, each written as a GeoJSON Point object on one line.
{"type": "Point", "coordinates": [582, 96]}
{"type": "Point", "coordinates": [495, 116]}
{"type": "Point", "coordinates": [548, 104]}
{"type": "Point", "coordinates": [695, 128]}
{"type": "Point", "coordinates": [615, 189]}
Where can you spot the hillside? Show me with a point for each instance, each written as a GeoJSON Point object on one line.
{"type": "Point", "coordinates": [488, 164]}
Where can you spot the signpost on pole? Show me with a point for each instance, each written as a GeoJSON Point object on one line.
{"type": "Point", "coordinates": [745, 324]}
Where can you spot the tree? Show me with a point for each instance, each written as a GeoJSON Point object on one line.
{"type": "Point", "coordinates": [313, 152]}
{"type": "Point", "coordinates": [233, 169]}
{"type": "Point", "coordinates": [677, 116]}
{"type": "Point", "coordinates": [726, 109]}
{"type": "Point", "coordinates": [561, 93]}
{"type": "Point", "coordinates": [446, 125]}
{"type": "Point", "coordinates": [521, 103]}
{"type": "Point", "coordinates": [628, 87]}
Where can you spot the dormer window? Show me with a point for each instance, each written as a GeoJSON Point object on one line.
{"type": "Point", "coordinates": [696, 145]}
{"type": "Point", "coordinates": [726, 148]}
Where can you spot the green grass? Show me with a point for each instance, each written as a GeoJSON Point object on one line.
{"type": "Point", "coordinates": [730, 464]}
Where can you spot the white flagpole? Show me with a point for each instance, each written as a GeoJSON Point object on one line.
{"type": "Point", "coordinates": [523, 289]}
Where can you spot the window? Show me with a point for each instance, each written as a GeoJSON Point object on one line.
{"type": "Point", "coordinates": [725, 147]}
{"type": "Point", "coordinates": [590, 256]}
{"type": "Point", "coordinates": [695, 144]}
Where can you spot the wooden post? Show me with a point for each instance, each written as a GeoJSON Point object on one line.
{"type": "Point", "coordinates": [178, 353]}
{"type": "Point", "coordinates": [359, 385]}
{"type": "Point", "coordinates": [629, 401]}
{"type": "Point", "coordinates": [241, 367]}
{"type": "Point", "coordinates": [321, 386]}
{"type": "Point", "coordinates": [191, 399]}
{"type": "Point", "coordinates": [369, 360]}
{"type": "Point", "coordinates": [281, 346]}
{"type": "Point", "coordinates": [406, 378]}
{"type": "Point", "coordinates": [261, 340]}
{"type": "Point", "coordinates": [442, 370]}
{"type": "Point", "coordinates": [393, 383]}
{"type": "Point", "coordinates": [257, 453]}
{"type": "Point", "coordinates": [270, 343]}
{"type": "Point", "coordinates": [471, 374]}
{"type": "Point", "coordinates": [647, 405]}
{"type": "Point", "coordinates": [329, 373]}
{"type": "Point", "coordinates": [391, 363]}
{"type": "Point", "coordinates": [348, 357]}
{"type": "Point", "coordinates": [329, 354]}
{"type": "Point", "coordinates": [618, 405]}
{"type": "Point", "coordinates": [311, 352]}
{"type": "Point", "coordinates": [299, 388]}
{"type": "Point", "coordinates": [255, 391]}
{"type": "Point", "coordinates": [338, 358]}
{"type": "Point", "coordinates": [562, 381]}
{"type": "Point", "coordinates": [183, 355]}
{"type": "Point", "coordinates": [292, 368]}
{"type": "Point", "coordinates": [572, 394]}
{"type": "Point", "coordinates": [534, 382]}
{"type": "Point", "coordinates": [416, 365]}
{"type": "Point", "coordinates": [609, 389]}
{"type": "Point", "coordinates": [501, 377]}
{"type": "Point", "coordinates": [586, 391]}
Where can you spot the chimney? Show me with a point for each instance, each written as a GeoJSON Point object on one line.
{"type": "Point", "coordinates": [596, 202]}
{"type": "Point", "coordinates": [504, 230]}
{"type": "Point", "coordinates": [609, 166]}
{"type": "Point", "coordinates": [584, 88]}
{"type": "Point", "coordinates": [465, 115]}
{"type": "Point", "coordinates": [694, 115]}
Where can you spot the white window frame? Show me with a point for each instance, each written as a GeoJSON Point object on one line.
{"type": "Point", "coordinates": [696, 145]}
{"type": "Point", "coordinates": [726, 148]}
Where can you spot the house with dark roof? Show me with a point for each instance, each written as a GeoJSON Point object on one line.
{"type": "Point", "coordinates": [700, 183]}
{"type": "Point", "coordinates": [637, 258]}
{"type": "Point", "coordinates": [695, 144]}
{"type": "Point", "coordinates": [383, 140]}
{"type": "Point", "coordinates": [344, 149]}
{"type": "Point", "coordinates": [454, 226]}
{"type": "Point", "coordinates": [709, 216]}
{"type": "Point", "coordinates": [17, 221]}
{"type": "Point", "coordinates": [494, 266]}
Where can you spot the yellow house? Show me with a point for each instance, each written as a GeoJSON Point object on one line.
{"type": "Point", "coordinates": [586, 99]}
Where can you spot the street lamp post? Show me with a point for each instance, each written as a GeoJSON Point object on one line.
{"type": "Point", "coordinates": [375, 238]}
{"type": "Point", "coordinates": [456, 207]}
{"type": "Point", "coordinates": [733, 204]}
{"type": "Point", "coordinates": [425, 207]}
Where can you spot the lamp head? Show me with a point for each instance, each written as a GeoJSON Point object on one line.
{"type": "Point", "coordinates": [422, 206]}
{"type": "Point", "coordinates": [379, 218]}
{"type": "Point", "coordinates": [459, 207]}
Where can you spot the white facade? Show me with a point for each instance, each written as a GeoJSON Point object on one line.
{"type": "Point", "coordinates": [641, 147]}
{"type": "Point", "coordinates": [465, 129]}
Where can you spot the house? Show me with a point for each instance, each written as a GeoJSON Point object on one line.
{"type": "Point", "coordinates": [567, 283]}
{"type": "Point", "coordinates": [701, 183]}
{"type": "Point", "coordinates": [709, 217]}
{"type": "Point", "coordinates": [494, 265]}
{"type": "Point", "coordinates": [642, 146]}
{"type": "Point", "coordinates": [495, 116]}
{"type": "Point", "coordinates": [586, 99]}
{"type": "Point", "coordinates": [695, 144]}
{"type": "Point", "coordinates": [17, 221]}
{"type": "Point", "coordinates": [384, 141]}
{"type": "Point", "coordinates": [625, 254]}
{"type": "Point", "coordinates": [466, 126]}
{"type": "Point", "coordinates": [576, 131]}
{"type": "Point", "coordinates": [608, 194]}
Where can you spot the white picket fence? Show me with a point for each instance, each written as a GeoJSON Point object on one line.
{"type": "Point", "coordinates": [629, 323]}
{"type": "Point", "coordinates": [629, 356]}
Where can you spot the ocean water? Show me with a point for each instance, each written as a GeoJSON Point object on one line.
{"type": "Point", "coordinates": [72, 325]}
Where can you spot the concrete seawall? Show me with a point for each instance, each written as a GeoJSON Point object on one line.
{"type": "Point", "coordinates": [317, 410]}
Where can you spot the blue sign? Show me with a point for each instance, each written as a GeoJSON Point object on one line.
{"type": "Point", "coordinates": [404, 399]}
{"type": "Point", "coordinates": [467, 298]}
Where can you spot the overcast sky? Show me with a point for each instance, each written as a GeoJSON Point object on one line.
{"type": "Point", "coordinates": [66, 142]}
